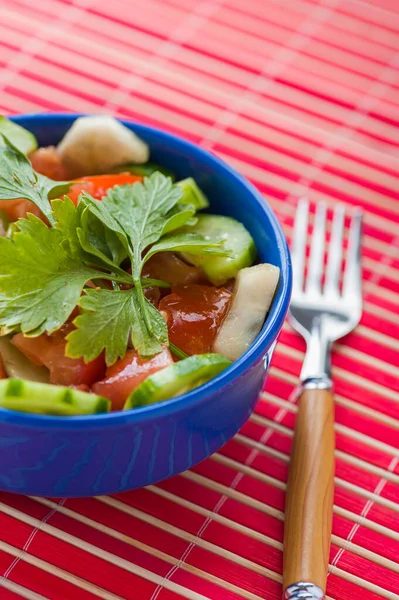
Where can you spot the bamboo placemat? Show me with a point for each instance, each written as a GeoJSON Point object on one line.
{"type": "Point", "coordinates": [300, 97]}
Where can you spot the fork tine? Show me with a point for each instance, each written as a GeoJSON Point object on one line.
{"type": "Point", "coordinates": [298, 249]}
{"type": "Point", "coordinates": [316, 260]}
{"type": "Point", "coordinates": [353, 274]}
{"type": "Point", "coordinates": [334, 261]}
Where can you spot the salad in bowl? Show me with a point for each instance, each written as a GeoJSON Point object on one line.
{"type": "Point", "coordinates": [120, 284]}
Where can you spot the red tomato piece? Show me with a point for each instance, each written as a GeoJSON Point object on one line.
{"type": "Point", "coordinates": [127, 373]}
{"type": "Point", "coordinates": [16, 209]}
{"type": "Point", "coordinates": [49, 350]}
{"type": "Point", "coordinates": [194, 314]}
{"type": "Point", "coordinates": [169, 267]}
{"type": "Point", "coordinates": [3, 374]}
{"type": "Point", "coordinates": [153, 294]}
{"type": "Point", "coordinates": [97, 185]}
{"type": "Point", "coordinates": [47, 162]}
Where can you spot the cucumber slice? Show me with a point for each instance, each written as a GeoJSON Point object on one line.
{"type": "Point", "coordinates": [145, 170]}
{"type": "Point", "coordinates": [192, 194]}
{"type": "Point", "coordinates": [46, 399]}
{"type": "Point", "coordinates": [253, 294]}
{"type": "Point", "coordinates": [16, 364]}
{"type": "Point", "coordinates": [23, 139]}
{"type": "Point", "coordinates": [237, 241]}
{"type": "Point", "coordinates": [177, 379]}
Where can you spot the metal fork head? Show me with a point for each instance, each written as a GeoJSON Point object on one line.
{"type": "Point", "coordinates": [323, 314]}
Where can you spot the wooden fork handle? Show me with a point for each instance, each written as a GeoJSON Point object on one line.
{"type": "Point", "coordinates": [309, 500]}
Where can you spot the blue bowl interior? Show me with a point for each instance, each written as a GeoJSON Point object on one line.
{"type": "Point", "coordinates": [230, 194]}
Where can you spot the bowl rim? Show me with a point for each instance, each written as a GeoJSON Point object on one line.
{"type": "Point", "coordinates": [258, 349]}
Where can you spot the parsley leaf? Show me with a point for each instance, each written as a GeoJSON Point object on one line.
{"type": "Point", "coordinates": [86, 237]}
{"type": "Point", "coordinates": [40, 282]}
{"type": "Point", "coordinates": [99, 241]}
{"type": "Point", "coordinates": [141, 214]}
{"type": "Point", "coordinates": [19, 180]}
{"type": "Point", "coordinates": [109, 318]}
{"type": "Point", "coordinates": [44, 270]}
{"type": "Point", "coordinates": [192, 243]}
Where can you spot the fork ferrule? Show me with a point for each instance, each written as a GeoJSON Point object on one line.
{"type": "Point", "coordinates": [303, 591]}
{"type": "Point", "coordinates": [316, 367]}
{"type": "Point", "coordinates": [317, 383]}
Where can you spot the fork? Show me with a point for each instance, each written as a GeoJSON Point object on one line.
{"type": "Point", "coordinates": [322, 315]}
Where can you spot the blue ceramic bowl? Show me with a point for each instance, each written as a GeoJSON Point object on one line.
{"type": "Point", "coordinates": [86, 456]}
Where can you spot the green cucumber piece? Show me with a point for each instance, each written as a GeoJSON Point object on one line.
{"type": "Point", "coordinates": [17, 366]}
{"type": "Point", "coordinates": [192, 194]}
{"type": "Point", "coordinates": [237, 241]}
{"type": "Point", "coordinates": [23, 139]}
{"type": "Point", "coordinates": [47, 399]}
{"type": "Point", "coordinates": [177, 379]}
{"type": "Point", "coordinates": [145, 169]}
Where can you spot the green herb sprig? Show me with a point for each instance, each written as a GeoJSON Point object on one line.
{"type": "Point", "coordinates": [45, 272]}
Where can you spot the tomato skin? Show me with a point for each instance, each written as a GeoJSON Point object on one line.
{"type": "Point", "coordinates": [97, 185]}
{"type": "Point", "coordinates": [167, 266]}
{"type": "Point", "coordinates": [3, 374]}
{"type": "Point", "coordinates": [49, 350]}
{"type": "Point", "coordinates": [194, 314]}
{"type": "Point", "coordinates": [127, 373]}
{"type": "Point", "coordinates": [47, 162]}
{"type": "Point", "coordinates": [16, 209]}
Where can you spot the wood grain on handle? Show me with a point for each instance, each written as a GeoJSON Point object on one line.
{"type": "Point", "coordinates": [309, 501]}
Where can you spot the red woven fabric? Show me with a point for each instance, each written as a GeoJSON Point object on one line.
{"type": "Point", "coordinates": [300, 97]}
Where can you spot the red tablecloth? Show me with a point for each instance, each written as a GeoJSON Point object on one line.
{"type": "Point", "coordinates": [300, 97]}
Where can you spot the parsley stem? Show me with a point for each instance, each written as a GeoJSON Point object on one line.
{"type": "Point", "coordinates": [137, 266]}
{"type": "Point", "coordinates": [177, 352]}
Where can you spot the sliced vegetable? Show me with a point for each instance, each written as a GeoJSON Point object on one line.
{"type": "Point", "coordinates": [193, 314]}
{"type": "Point", "coordinates": [47, 161]}
{"type": "Point", "coordinates": [16, 364]}
{"type": "Point", "coordinates": [171, 268]}
{"type": "Point", "coordinates": [4, 223]}
{"type": "Point", "coordinates": [16, 209]}
{"type": "Point", "coordinates": [49, 351]}
{"type": "Point", "coordinates": [237, 241]}
{"type": "Point", "coordinates": [97, 144]}
{"type": "Point", "coordinates": [126, 374]}
{"type": "Point", "coordinates": [192, 194]}
{"type": "Point", "coordinates": [252, 296]}
{"type": "Point", "coordinates": [98, 185]}
{"type": "Point", "coordinates": [177, 379]}
{"type": "Point", "coordinates": [144, 170]}
{"type": "Point", "coordinates": [42, 398]}
{"type": "Point", "coordinates": [3, 374]}
{"type": "Point", "coordinates": [23, 139]}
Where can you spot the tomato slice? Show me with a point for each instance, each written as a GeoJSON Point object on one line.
{"type": "Point", "coordinates": [3, 374]}
{"type": "Point", "coordinates": [127, 373]}
{"type": "Point", "coordinates": [49, 350]}
{"type": "Point", "coordinates": [97, 185]}
{"type": "Point", "coordinates": [169, 267]}
{"type": "Point", "coordinates": [16, 209]}
{"type": "Point", "coordinates": [194, 314]}
{"type": "Point", "coordinates": [47, 162]}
